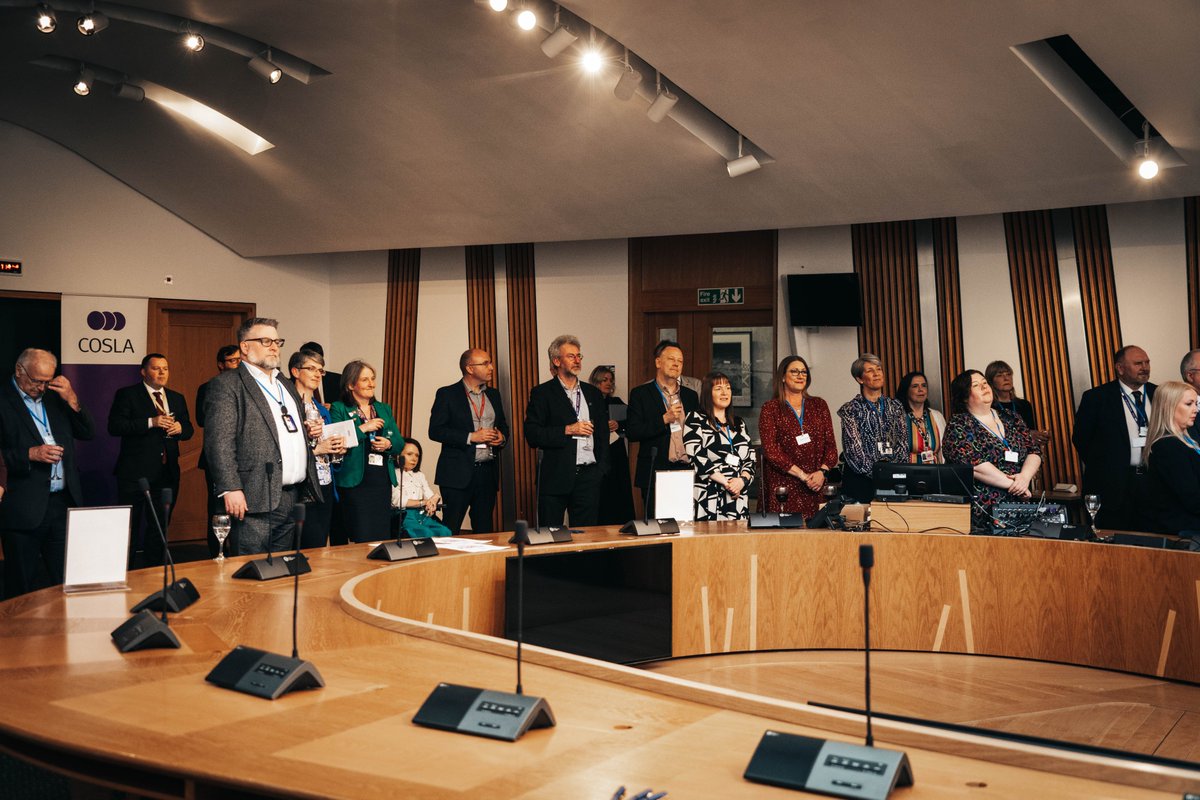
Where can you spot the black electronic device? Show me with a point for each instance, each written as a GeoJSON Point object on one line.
{"type": "Point", "coordinates": [550, 535]}
{"type": "Point", "coordinates": [270, 568]}
{"type": "Point", "coordinates": [953, 499]}
{"type": "Point", "coordinates": [180, 593]}
{"type": "Point", "coordinates": [917, 480]}
{"type": "Point", "coordinates": [651, 527]}
{"type": "Point", "coordinates": [840, 769]}
{"type": "Point", "coordinates": [404, 549]}
{"type": "Point", "coordinates": [829, 516]}
{"type": "Point", "coordinates": [825, 299]}
{"type": "Point", "coordinates": [143, 631]}
{"type": "Point", "coordinates": [264, 674]}
{"type": "Point", "coordinates": [483, 712]}
{"type": "Point", "coordinates": [1032, 519]}
{"type": "Point", "coordinates": [771, 519]}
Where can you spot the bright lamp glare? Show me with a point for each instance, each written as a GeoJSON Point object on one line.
{"type": "Point", "coordinates": [194, 42]}
{"type": "Point", "coordinates": [591, 61]}
{"type": "Point", "coordinates": [498, 5]}
{"type": "Point", "coordinates": [46, 22]}
{"type": "Point", "coordinates": [526, 20]}
{"type": "Point", "coordinates": [1148, 169]}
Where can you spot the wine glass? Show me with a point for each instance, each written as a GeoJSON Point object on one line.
{"type": "Point", "coordinates": [220, 526]}
{"type": "Point", "coordinates": [1092, 503]}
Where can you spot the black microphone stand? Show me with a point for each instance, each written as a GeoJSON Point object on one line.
{"type": "Point", "coordinates": [181, 593]}
{"type": "Point", "coordinates": [268, 569]}
{"type": "Point", "coordinates": [143, 631]}
{"type": "Point", "coordinates": [646, 526]}
{"type": "Point", "coordinates": [551, 535]}
{"type": "Point", "coordinates": [402, 549]}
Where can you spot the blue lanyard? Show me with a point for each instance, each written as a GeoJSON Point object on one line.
{"type": "Point", "coordinates": [271, 393]}
{"type": "Point", "coordinates": [1003, 439]}
{"type": "Point", "coordinates": [727, 429]}
{"type": "Point", "coordinates": [575, 394]}
{"type": "Point", "coordinates": [1138, 412]}
{"type": "Point", "coordinates": [1190, 442]}
{"type": "Point", "coordinates": [44, 421]}
{"type": "Point", "coordinates": [666, 402]}
{"type": "Point", "coordinates": [799, 417]}
{"type": "Point", "coordinates": [878, 407]}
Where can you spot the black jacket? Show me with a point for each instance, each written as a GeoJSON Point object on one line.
{"type": "Point", "coordinates": [546, 418]}
{"type": "Point", "coordinates": [146, 452]}
{"type": "Point", "coordinates": [645, 426]}
{"type": "Point", "coordinates": [450, 423]}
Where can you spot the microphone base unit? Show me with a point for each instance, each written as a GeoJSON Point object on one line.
{"type": "Point", "coordinates": [838, 769]}
{"type": "Point", "coordinates": [180, 594]}
{"type": "Point", "coordinates": [281, 566]}
{"type": "Point", "coordinates": [773, 520]}
{"type": "Point", "coordinates": [665, 526]}
{"type": "Point", "coordinates": [263, 674]}
{"type": "Point", "coordinates": [144, 631]}
{"type": "Point", "coordinates": [404, 550]}
{"type": "Point", "coordinates": [482, 712]}
{"type": "Point", "coordinates": [549, 535]}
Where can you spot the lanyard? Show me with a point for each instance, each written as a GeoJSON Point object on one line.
{"type": "Point", "coordinates": [926, 433]}
{"type": "Point", "coordinates": [1138, 412]}
{"type": "Point", "coordinates": [267, 389]}
{"type": "Point", "coordinates": [576, 395]}
{"type": "Point", "coordinates": [478, 412]}
{"type": "Point", "coordinates": [1190, 442]}
{"type": "Point", "coordinates": [43, 421]}
{"type": "Point", "coordinates": [666, 402]}
{"type": "Point", "coordinates": [1003, 439]}
{"type": "Point", "coordinates": [799, 417]}
{"type": "Point", "coordinates": [727, 430]}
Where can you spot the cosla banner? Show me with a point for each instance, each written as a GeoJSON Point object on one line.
{"type": "Point", "coordinates": [103, 342]}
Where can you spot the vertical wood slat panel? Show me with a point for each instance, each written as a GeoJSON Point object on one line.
{"type": "Point", "coordinates": [885, 259]}
{"type": "Point", "coordinates": [1097, 288]}
{"type": "Point", "coordinates": [481, 321]}
{"type": "Point", "coordinates": [949, 302]}
{"type": "Point", "coordinates": [1191, 224]}
{"type": "Point", "coordinates": [400, 334]}
{"type": "Point", "coordinates": [1041, 337]}
{"type": "Point", "coordinates": [525, 368]}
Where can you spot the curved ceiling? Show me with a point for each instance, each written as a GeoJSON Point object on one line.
{"type": "Point", "coordinates": [441, 124]}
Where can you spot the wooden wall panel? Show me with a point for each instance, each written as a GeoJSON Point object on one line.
{"type": "Point", "coordinates": [1191, 219]}
{"type": "Point", "coordinates": [1041, 338]}
{"type": "Point", "coordinates": [1097, 290]}
{"type": "Point", "coordinates": [885, 259]}
{"type": "Point", "coordinates": [949, 302]}
{"type": "Point", "coordinates": [400, 334]}
{"type": "Point", "coordinates": [481, 321]}
{"type": "Point", "coordinates": [526, 368]}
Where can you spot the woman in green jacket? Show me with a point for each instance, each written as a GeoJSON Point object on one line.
{"type": "Point", "coordinates": [367, 475]}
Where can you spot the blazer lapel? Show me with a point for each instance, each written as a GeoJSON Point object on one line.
{"type": "Point", "coordinates": [22, 410]}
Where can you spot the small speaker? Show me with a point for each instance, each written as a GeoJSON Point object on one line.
{"type": "Point", "coordinates": [404, 550]}
{"type": "Point", "coordinates": [654, 527]}
{"type": "Point", "coordinates": [263, 674]}
{"type": "Point", "coordinates": [144, 631]}
{"type": "Point", "coordinates": [180, 594]}
{"type": "Point", "coordinates": [839, 769]}
{"type": "Point", "coordinates": [482, 712]}
{"type": "Point", "coordinates": [549, 535]}
{"type": "Point", "coordinates": [280, 565]}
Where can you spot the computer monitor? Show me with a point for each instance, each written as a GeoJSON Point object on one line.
{"type": "Point", "coordinates": [918, 480]}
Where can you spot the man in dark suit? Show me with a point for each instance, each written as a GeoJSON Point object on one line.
{"type": "Point", "coordinates": [568, 420]}
{"type": "Point", "coordinates": [467, 418]}
{"type": "Point", "coordinates": [656, 413]}
{"type": "Point", "coordinates": [1189, 370]}
{"type": "Point", "coordinates": [1110, 433]}
{"type": "Point", "coordinates": [40, 419]}
{"type": "Point", "coordinates": [151, 420]}
{"type": "Point", "coordinates": [228, 357]}
{"type": "Point", "coordinates": [258, 455]}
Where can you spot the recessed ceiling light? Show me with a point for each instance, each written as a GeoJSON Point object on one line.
{"type": "Point", "coordinates": [591, 61]}
{"type": "Point", "coordinates": [498, 5]}
{"type": "Point", "coordinates": [91, 23]}
{"type": "Point", "coordinates": [83, 84]}
{"type": "Point", "coordinates": [526, 20]}
{"type": "Point", "coordinates": [46, 21]}
{"type": "Point", "coordinates": [193, 42]}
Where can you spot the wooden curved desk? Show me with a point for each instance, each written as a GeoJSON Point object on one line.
{"type": "Point", "coordinates": [383, 637]}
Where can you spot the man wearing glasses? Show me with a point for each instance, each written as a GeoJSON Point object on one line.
{"type": "Point", "coordinates": [258, 456]}
{"type": "Point", "coordinates": [468, 420]}
{"type": "Point", "coordinates": [40, 419]}
{"type": "Point", "coordinates": [1189, 368]}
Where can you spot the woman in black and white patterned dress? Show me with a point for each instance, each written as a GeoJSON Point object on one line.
{"type": "Point", "coordinates": [719, 446]}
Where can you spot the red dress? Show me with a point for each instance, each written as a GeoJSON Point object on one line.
{"type": "Point", "coordinates": [778, 428]}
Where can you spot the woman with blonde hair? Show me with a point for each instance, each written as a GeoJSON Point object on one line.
{"type": "Point", "coordinates": [1173, 462]}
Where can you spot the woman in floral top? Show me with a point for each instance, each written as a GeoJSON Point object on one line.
{"type": "Point", "coordinates": [997, 444]}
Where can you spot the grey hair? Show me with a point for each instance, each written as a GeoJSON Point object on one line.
{"type": "Point", "coordinates": [555, 348]}
{"type": "Point", "coordinates": [245, 327]}
{"type": "Point", "coordinates": [32, 354]}
{"type": "Point", "coordinates": [1187, 360]}
{"type": "Point", "coordinates": [856, 369]}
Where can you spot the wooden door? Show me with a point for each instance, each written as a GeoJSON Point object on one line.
{"type": "Point", "coordinates": [189, 333]}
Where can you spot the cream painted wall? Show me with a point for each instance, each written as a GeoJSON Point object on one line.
{"type": "Point", "coordinates": [1150, 268]}
{"type": "Point", "coordinates": [989, 324]}
{"type": "Point", "coordinates": [583, 289]}
{"type": "Point", "coordinates": [357, 309]}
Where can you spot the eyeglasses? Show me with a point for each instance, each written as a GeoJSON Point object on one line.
{"type": "Point", "coordinates": [42, 384]}
{"type": "Point", "coordinates": [267, 342]}
{"type": "Point", "coordinates": [319, 370]}
{"type": "Point", "coordinates": [796, 373]}
{"type": "Point", "coordinates": [232, 360]}
{"type": "Point", "coordinates": [572, 357]}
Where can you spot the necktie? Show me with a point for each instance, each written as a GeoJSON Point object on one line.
{"type": "Point", "coordinates": [1141, 408]}
{"type": "Point", "coordinates": [158, 401]}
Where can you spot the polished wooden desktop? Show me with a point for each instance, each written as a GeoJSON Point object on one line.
{"type": "Point", "coordinates": [384, 635]}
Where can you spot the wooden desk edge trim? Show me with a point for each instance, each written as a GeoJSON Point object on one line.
{"type": "Point", "coordinates": [850, 726]}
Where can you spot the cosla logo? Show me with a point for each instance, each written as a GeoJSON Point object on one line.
{"type": "Point", "coordinates": [105, 321]}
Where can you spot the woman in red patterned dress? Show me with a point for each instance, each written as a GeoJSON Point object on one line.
{"type": "Point", "coordinates": [797, 440]}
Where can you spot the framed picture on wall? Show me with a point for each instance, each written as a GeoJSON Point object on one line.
{"type": "Point", "coordinates": [731, 354]}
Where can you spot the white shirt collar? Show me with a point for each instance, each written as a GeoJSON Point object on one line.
{"type": "Point", "coordinates": [270, 376]}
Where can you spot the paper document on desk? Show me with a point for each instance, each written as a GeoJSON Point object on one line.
{"type": "Point", "coordinates": [465, 545]}
{"type": "Point", "coordinates": [344, 429]}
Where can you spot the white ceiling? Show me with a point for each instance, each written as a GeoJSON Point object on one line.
{"type": "Point", "coordinates": [442, 125]}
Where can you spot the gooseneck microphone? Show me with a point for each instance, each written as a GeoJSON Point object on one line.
{"type": "Point", "coordinates": [537, 499]}
{"type": "Point", "coordinates": [866, 560]}
{"type": "Point", "coordinates": [646, 526]}
{"type": "Point", "coordinates": [401, 549]}
{"type": "Point", "coordinates": [143, 631]}
{"type": "Point", "coordinates": [520, 538]}
{"type": "Point", "coordinates": [650, 490]}
{"type": "Point", "coordinates": [180, 593]}
{"type": "Point", "coordinates": [298, 512]}
{"type": "Point", "coordinates": [266, 569]}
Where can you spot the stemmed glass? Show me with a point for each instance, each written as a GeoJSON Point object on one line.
{"type": "Point", "coordinates": [1092, 503]}
{"type": "Point", "coordinates": [220, 527]}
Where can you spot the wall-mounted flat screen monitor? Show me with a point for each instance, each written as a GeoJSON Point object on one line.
{"type": "Point", "coordinates": [825, 299]}
{"type": "Point", "coordinates": [918, 480]}
{"type": "Point", "coordinates": [612, 604]}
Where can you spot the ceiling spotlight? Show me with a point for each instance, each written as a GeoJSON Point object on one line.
{"type": "Point", "coordinates": [129, 91]}
{"type": "Point", "coordinates": [629, 81]}
{"type": "Point", "coordinates": [265, 69]}
{"type": "Point", "coordinates": [592, 61]}
{"type": "Point", "coordinates": [83, 84]}
{"type": "Point", "coordinates": [664, 101]}
{"type": "Point", "coordinates": [560, 40]}
{"type": "Point", "coordinates": [193, 42]}
{"type": "Point", "coordinates": [46, 21]}
{"type": "Point", "coordinates": [526, 20]}
{"type": "Point", "coordinates": [743, 163]}
{"type": "Point", "coordinates": [498, 5]}
{"type": "Point", "coordinates": [92, 22]}
{"type": "Point", "coordinates": [1147, 163]}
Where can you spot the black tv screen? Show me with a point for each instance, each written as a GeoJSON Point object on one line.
{"type": "Point", "coordinates": [613, 604]}
{"type": "Point", "coordinates": [827, 299]}
{"type": "Point", "coordinates": [918, 480]}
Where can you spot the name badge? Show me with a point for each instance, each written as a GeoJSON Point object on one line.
{"type": "Point", "coordinates": [1142, 432]}
{"type": "Point", "coordinates": [926, 456]}
{"type": "Point", "coordinates": [1139, 440]}
{"type": "Point", "coordinates": [886, 449]}
{"type": "Point", "coordinates": [375, 459]}
{"type": "Point", "coordinates": [732, 459]}
{"type": "Point", "coordinates": [1010, 456]}
{"type": "Point", "coordinates": [289, 424]}
{"type": "Point", "coordinates": [481, 446]}
{"type": "Point", "coordinates": [676, 427]}
{"type": "Point", "coordinates": [803, 438]}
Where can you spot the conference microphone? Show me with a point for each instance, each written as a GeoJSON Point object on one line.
{"type": "Point", "coordinates": [829, 767]}
{"type": "Point", "coordinates": [268, 569]}
{"type": "Point", "coordinates": [551, 535]}
{"type": "Point", "coordinates": [180, 593]}
{"type": "Point", "coordinates": [646, 526]}
{"type": "Point", "coordinates": [403, 549]}
{"type": "Point", "coordinates": [779, 519]}
{"type": "Point", "coordinates": [144, 631]}
{"type": "Point", "coordinates": [264, 674]}
{"type": "Point", "coordinates": [483, 712]}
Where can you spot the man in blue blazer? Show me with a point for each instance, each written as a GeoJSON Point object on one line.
{"type": "Point", "coordinates": [468, 420]}
{"type": "Point", "coordinates": [151, 420]}
{"type": "Point", "coordinates": [40, 419]}
{"type": "Point", "coordinates": [567, 419]}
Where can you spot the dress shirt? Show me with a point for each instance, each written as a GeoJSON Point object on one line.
{"type": "Point", "coordinates": [293, 449]}
{"type": "Point", "coordinates": [585, 448]}
{"type": "Point", "coordinates": [37, 410]}
{"type": "Point", "coordinates": [1127, 402]}
{"type": "Point", "coordinates": [477, 399]}
{"type": "Point", "coordinates": [162, 394]}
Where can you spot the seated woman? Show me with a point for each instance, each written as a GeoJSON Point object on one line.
{"type": "Point", "coordinates": [994, 442]}
{"type": "Point", "coordinates": [1173, 462]}
{"type": "Point", "coordinates": [719, 447]}
{"type": "Point", "coordinates": [796, 430]}
{"type": "Point", "coordinates": [413, 497]}
{"type": "Point", "coordinates": [926, 425]}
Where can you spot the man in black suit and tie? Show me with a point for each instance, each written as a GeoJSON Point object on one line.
{"type": "Point", "coordinates": [467, 418]}
{"type": "Point", "coordinates": [40, 419]}
{"type": "Point", "coordinates": [1110, 433]}
{"type": "Point", "coordinates": [656, 413]}
{"type": "Point", "coordinates": [151, 420]}
{"type": "Point", "coordinates": [568, 420]}
{"type": "Point", "coordinates": [257, 451]}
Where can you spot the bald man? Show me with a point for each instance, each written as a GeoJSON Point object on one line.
{"type": "Point", "coordinates": [40, 419]}
{"type": "Point", "coordinates": [467, 418]}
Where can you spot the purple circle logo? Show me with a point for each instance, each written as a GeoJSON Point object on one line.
{"type": "Point", "coordinates": [106, 321]}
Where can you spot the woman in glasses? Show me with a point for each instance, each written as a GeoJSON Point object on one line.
{"type": "Point", "coordinates": [307, 368]}
{"type": "Point", "coordinates": [797, 441]}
